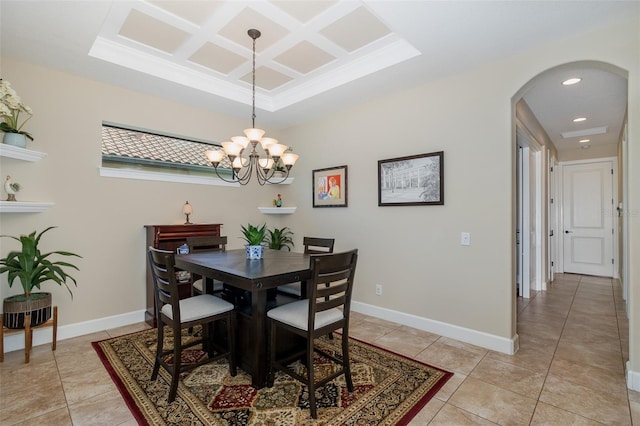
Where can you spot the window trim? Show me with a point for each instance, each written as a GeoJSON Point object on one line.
{"type": "Point", "coordinates": [171, 177]}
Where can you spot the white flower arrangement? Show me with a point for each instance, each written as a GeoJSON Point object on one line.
{"type": "Point", "coordinates": [10, 108]}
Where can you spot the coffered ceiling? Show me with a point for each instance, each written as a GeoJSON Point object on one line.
{"type": "Point", "coordinates": [305, 48]}
{"type": "Point", "coordinates": [312, 56]}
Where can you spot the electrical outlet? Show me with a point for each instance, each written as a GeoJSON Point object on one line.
{"type": "Point", "coordinates": [465, 239]}
{"type": "Point", "coordinates": [378, 289]}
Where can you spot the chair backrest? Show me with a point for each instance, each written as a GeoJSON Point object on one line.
{"type": "Point", "coordinates": [164, 280]}
{"type": "Point", "coordinates": [332, 284]}
{"type": "Point", "coordinates": [314, 245]}
{"type": "Point", "coordinates": [197, 244]}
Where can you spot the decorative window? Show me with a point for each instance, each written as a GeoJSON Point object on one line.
{"type": "Point", "coordinates": [141, 154]}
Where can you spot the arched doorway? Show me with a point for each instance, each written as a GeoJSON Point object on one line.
{"type": "Point", "coordinates": [538, 118]}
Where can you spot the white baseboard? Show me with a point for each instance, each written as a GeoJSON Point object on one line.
{"type": "Point", "coordinates": [478, 338]}
{"type": "Point", "coordinates": [633, 378]}
{"type": "Point", "coordinates": [41, 336]}
{"type": "Point", "coordinates": [14, 342]}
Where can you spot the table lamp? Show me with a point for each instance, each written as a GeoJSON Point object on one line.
{"type": "Point", "coordinates": [187, 210]}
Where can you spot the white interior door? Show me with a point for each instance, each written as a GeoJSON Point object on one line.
{"type": "Point", "coordinates": [551, 242]}
{"type": "Point", "coordinates": [587, 218]}
{"type": "Point", "coordinates": [523, 232]}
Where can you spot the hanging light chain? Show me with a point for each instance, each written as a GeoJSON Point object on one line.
{"type": "Point", "coordinates": [254, 36]}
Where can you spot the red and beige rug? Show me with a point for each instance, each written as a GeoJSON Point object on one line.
{"type": "Point", "coordinates": [389, 388]}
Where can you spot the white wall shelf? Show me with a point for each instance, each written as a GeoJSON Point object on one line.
{"type": "Point", "coordinates": [23, 154]}
{"type": "Point", "coordinates": [277, 210]}
{"type": "Point", "coordinates": [23, 207]}
{"type": "Point", "coordinates": [18, 153]}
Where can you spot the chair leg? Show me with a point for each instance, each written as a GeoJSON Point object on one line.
{"type": "Point", "coordinates": [231, 342]}
{"type": "Point", "coordinates": [345, 359]}
{"type": "Point", "coordinates": [311, 386]}
{"type": "Point", "coordinates": [207, 335]}
{"type": "Point", "coordinates": [55, 328]}
{"type": "Point", "coordinates": [271, 352]}
{"type": "Point", "coordinates": [177, 361]}
{"type": "Point", "coordinates": [156, 365]}
{"type": "Point", "coordinates": [28, 338]}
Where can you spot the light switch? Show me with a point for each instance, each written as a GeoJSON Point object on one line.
{"type": "Point", "coordinates": [465, 239]}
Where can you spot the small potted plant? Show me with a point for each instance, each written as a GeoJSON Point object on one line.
{"type": "Point", "coordinates": [32, 268]}
{"type": "Point", "coordinates": [10, 108]}
{"type": "Point", "coordinates": [254, 236]}
{"type": "Point", "coordinates": [277, 239]}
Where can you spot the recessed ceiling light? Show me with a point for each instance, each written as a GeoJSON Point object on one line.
{"type": "Point", "coordinates": [579, 119]}
{"type": "Point", "coordinates": [570, 81]}
{"type": "Point", "coordinates": [584, 140]}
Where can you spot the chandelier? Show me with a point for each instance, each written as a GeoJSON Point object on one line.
{"type": "Point", "coordinates": [278, 157]}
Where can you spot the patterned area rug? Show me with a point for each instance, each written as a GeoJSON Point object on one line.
{"type": "Point", "coordinates": [389, 388]}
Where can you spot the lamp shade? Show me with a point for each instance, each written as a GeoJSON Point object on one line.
{"type": "Point", "coordinates": [240, 140]}
{"type": "Point", "coordinates": [187, 209]}
{"type": "Point", "coordinates": [239, 162]}
{"type": "Point", "coordinates": [289, 158]}
{"type": "Point", "coordinates": [265, 163]}
{"type": "Point", "coordinates": [277, 149]}
{"type": "Point", "coordinates": [214, 155]}
{"type": "Point", "coordinates": [254, 134]}
{"type": "Point", "coordinates": [267, 142]}
{"type": "Point", "coordinates": [232, 148]}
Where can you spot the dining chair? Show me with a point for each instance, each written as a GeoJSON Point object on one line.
{"type": "Point", "coordinates": [203, 310]}
{"type": "Point", "coordinates": [312, 245]}
{"type": "Point", "coordinates": [200, 285]}
{"type": "Point", "coordinates": [326, 310]}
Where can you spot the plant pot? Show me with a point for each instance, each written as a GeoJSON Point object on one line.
{"type": "Point", "coordinates": [254, 252]}
{"type": "Point", "coordinates": [15, 139]}
{"type": "Point", "coordinates": [15, 308]}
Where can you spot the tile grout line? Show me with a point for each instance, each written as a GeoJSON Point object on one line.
{"type": "Point", "coordinates": [564, 324]}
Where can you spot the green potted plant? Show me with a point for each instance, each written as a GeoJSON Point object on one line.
{"type": "Point", "coordinates": [32, 268]}
{"type": "Point", "coordinates": [277, 239]}
{"type": "Point", "coordinates": [254, 237]}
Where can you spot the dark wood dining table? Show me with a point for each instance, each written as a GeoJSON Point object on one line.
{"type": "Point", "coordinates": [256, 277]}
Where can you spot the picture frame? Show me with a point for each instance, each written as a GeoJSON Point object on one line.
{"type": "Point", "coordinates": [416, 180]}
{"type": "Point", "coordinates": [329, 187]}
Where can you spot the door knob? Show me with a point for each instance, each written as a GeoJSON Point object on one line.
{"type": "Point", "coordinates": [568, 232]}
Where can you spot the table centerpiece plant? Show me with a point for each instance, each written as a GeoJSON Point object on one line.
{"type": "Point", "coordinates": [254, 237]}
{"type": "Point", "coordinates": [278, 239]}
{"type": "Point", "coordinates": [10, 108]}
{"type": "Point", "coordinates": [33, 268]}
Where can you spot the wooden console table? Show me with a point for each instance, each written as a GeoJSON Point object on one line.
{"type": "Point", "coordinates": [170, 237]}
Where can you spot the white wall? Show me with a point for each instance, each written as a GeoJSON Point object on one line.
{"type": "Point", "coordinates": [414, 252]}
{"type": "Point", "coordinates": [102, 218]}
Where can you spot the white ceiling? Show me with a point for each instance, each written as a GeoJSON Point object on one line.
{"type": "Point", "coordinates": [313, 55]}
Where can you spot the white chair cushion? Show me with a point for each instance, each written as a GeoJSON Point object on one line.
{"type": "Point", "coordinates": [217, 285]}
{"type": "Point", "coordinates": [291, 289]}
{"type": "Point", "coordinates": [296, 315]}
{"type": "Point", "coordinates": [197, 307]}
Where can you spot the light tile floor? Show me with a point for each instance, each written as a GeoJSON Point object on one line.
{"type": "Point", "coordinates": [569, 369]}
